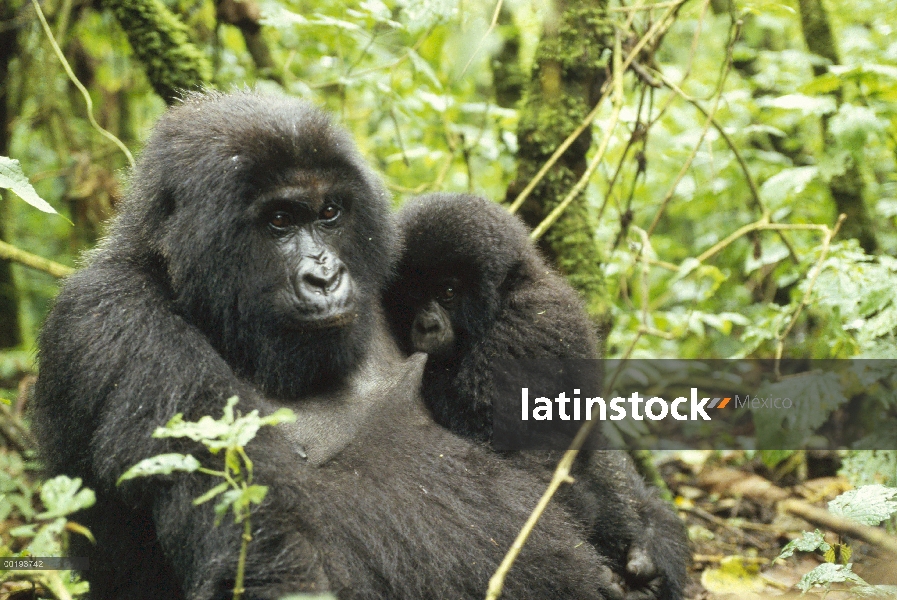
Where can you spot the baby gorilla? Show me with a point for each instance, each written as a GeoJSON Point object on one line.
{"type": "Point", "coordinates": [472, 288]}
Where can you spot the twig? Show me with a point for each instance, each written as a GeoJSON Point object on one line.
{"type": "Point", "coordinates": [561, 476]}
{"type": "Point", "coordinates": [10, 252]}
{"type": "Point", "coordinates": [644, 7]}
{"type": "Point", "coordinates": [587, 122]}
{"type": "Point", "coordinates": [817, 268]}
{"type": "Point", "coordinates": [752, 185]}
{"type": "Point", "coordinates": [71, 75]}
{"type": "Point", "coordinates": [762, 224]}
{"type": "Point", "coordinates": [707, 123]}
{"type": "Point", "coordinates": [483, 39]}
{"type": "Point", "coordinates": [823, 518]}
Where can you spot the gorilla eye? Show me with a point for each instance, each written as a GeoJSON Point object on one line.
{"type": "Point", "coordinates": [329, 213]}
{"type": "Point", "coordinates": [280, 220]}
{"type": "Point", "coordinates": [446, 294]}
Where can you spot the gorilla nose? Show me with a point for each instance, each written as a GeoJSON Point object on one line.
{"type": "Point", "coordinates": [323, 278]}
{"type": "Point", "coordinates": [427, 324]}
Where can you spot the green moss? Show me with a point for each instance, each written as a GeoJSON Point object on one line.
{"type": "Point", "coordinates": [569, 70]}
{"type": "Point", "coordinates": [161, 42]}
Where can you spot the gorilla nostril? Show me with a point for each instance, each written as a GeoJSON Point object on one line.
{"type": "Point", "coordinates": [426, 325]}
{"type": "Point", "coordinates": [323, 278]}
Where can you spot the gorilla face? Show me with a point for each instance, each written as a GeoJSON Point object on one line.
{"type": "Point", "coordinates": [275, 244]}
{"type": "Point", "coordinates": [437, 314]}
{"type": "Point", "coordinates": [319, 292]}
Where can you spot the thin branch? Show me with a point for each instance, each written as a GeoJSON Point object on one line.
{"type": "Point", "coordinates": [587, 122]}
{"type": "Point", "coordinates": [706, 127]}
{"type": "Point", "coordinates": [561, 476]}
{"type": "Point", "coordinates": [823, 518]}
{"type": "Point", "coordinates": [71, 75]}
{"type": "Point", "coordinates": [752, 185]}
{"type": "Point", "coordinates": [645, 7]}
{"type": "Point", "coordinates": [817, 269]}
{"type": "Point", "coordinates": [479, 47]}
{"type": "Point", "coordinates": [10, 252]}
{"type": "Point", "coordinates": [760, 225]}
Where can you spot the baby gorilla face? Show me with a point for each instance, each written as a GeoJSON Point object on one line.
{"type": "Point", "coordinates": [436, 317]}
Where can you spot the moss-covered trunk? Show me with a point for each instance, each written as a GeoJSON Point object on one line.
{"type": "Point", "coordinates": [568, 73]}
{"type": "Point", "coordinates": [161, 42]}
{"type": "Point", "coordinates": [846, 188]}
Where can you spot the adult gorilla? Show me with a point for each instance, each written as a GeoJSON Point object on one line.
{"type": "Point", "coordinates": [249, 259]}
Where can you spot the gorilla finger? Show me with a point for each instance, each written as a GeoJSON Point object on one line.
{"type": "Point", "coordinates": [639, 564]}
{"type": "Point", "coordinates": [614, 587]}
{"type": "Point", "coordinates": [649, 591]}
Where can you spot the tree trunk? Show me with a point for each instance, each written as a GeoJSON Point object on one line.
{"type": "Point", "coordinates": [10, 328]}
{"type": "Point", "coordinates": [569, 70]}
{"type": "Point", "coordinates": [161, 42]}
{"type": "Point", "coordinates": [846, 188]}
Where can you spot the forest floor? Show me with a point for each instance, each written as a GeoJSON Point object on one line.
{"type": "Point", "coordinates": [737, 527]}
{"type": "Point", "coordinates": [739, 515]}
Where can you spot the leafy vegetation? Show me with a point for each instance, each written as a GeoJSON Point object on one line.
{"type": "Point", "coordinates": [727, 137]}
{"type": "Point", "coordinates": [236, 492]}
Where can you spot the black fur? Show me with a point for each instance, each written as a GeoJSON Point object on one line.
{"type": "Point", "coordinates": [193, 298]}
{"type": "Point", "coordinates": [472, 288]}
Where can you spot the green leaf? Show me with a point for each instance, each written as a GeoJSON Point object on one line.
{"type": "Point", "coordinates": [424, 67]}
{"type": "Point", "coordinates": [229, 409]}
{"type": "Point", "coordinates": [63, 496]}
{"type": "Point", "coordinates": [771, 458]}
{"type": "Point", "coordinates": [163, 464]}
{"type": "Point", "coordinates": [23, 531]}
{"type": "Point", "coordinates": [688, 265]}
{"type": "Point", "coordinates": [870, 504]}
{"type": "Point", "coordinates": [281, 415]}
{"type": "Point", "coordinates": [815, 395]}
{"type": "Point", "coordinates": [808, 105]}
{"type": "Point", "coordinates": [232, 460]}
{"type": "Point", "coordinates": [255, 493]}
{"type": "Point", "coordinates": [13, 178]}
{"type": "Point", "coordinates": [853, 125]}
{"type": "Point", "coordinates": [807, 542]}
{"type": "Point", "coordinates": [829, 573]}
{"type": "Point", "coordinates": [785, 184]}
{"type": "Point", "coordinates": [230, 431]}
{"type": "Point", "coordinates": [228, 499]}
{"type": "Point", "coordinates": [203, 430]}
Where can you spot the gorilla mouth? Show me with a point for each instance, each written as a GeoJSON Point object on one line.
{"type": "Point", "coordinates": [329, 321]}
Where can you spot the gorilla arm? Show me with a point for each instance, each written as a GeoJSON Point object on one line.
{"type": "Point", "coordinates": [124, 364]}
{"type": "Point", "coordinates": [626, 521]}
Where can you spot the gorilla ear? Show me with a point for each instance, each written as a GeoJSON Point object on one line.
{"type": "Point", "coordinates": [515, 276]}
{"type": "Point", "coordinates": [166, 204]}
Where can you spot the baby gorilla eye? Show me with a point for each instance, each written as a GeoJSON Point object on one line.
{"type": "Point", "coordinates": [280, 220]}
{"type": "Point", "coordinates": [330, 213]}
{"type": "Point", "coordinates": [446, 294]}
